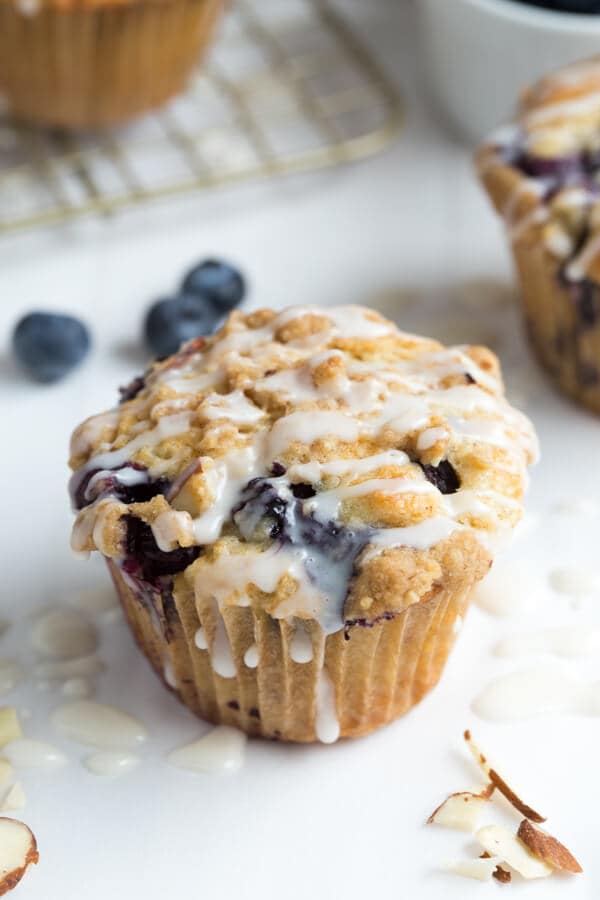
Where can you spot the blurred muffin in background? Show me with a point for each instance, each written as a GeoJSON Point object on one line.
{"type": "Point", "coordinates": [543, 176]}
{"type": "Point", "coordinates": [92, 63]}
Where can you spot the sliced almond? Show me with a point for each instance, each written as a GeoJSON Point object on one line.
{"type": "Point", "coordinates": [500, 842]}
{"type": "Point", "coordinates": [547, 848]}
{"type": "Point", "coordinates": [18, 849]}
{"type": "Point", "coordinates": [14, 799]}
{"type": "Point", "coordinates": [10, 727]}
{"type": "Point", "coordinates": [500, 874]}
{"type": "Point", "coordinates": [461, 810]}
{"type": "Point", "coordinates": [483, 762]}
{"type": "Point", "coordinates": [481, 869]}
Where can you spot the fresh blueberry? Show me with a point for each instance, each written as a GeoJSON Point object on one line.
{"type": "Point", "coordinates": [49, 345]}
{"type": "Point", "coordinates": [218, 282]}
{"type": "Point", "coordinates": [171, 322]}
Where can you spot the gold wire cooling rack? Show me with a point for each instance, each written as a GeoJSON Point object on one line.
{"type": "Point", "coordinates": [288, 88]}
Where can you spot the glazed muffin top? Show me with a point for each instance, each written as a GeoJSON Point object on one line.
{"type": "Point", "coordinates": [543, 172]}
{"type": "Point", "coordinates": [297, 451]}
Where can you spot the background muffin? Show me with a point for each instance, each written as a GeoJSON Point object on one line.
{"type": "Point", "coordinates": [543, 176]}
{"type": "Point", "coordinates": [296, 511]}
{"type": "Point", "coordinates": [89, 63]}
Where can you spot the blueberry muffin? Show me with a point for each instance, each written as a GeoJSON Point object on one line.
{"type": "Point", "coordinates": [295, 513]}
{"type": "Point", "coordinates": [543, 176]}
{"type": "Point", "coordinates": [92, 63]}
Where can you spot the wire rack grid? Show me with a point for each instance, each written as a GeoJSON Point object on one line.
{"type": "Point", "coordinates": [289, 87]}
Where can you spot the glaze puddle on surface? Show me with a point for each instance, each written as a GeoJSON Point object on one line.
{"type": "Point", "coordinates": [83, 667]}
{"type": "Point", "coordinates": [10, 675]}
{"type": "Point", "coordinates": [509, 589]}
{"type": "Point", "coordinates": [64, 634]}
{"type": "Point", "coordinates": [534, 692]}
{"type": "Point", "coordinates": [99, 725]}
{"type": "Point", "coordinates": [569, 641]}
{"type": "Point", "coordinates": [575, 581]}
{"type": "Point", "coordinates": [222, 750]}
{"type": "Point", "coordinates": [111, 762]}
{"type": "Point", "coordinates": [577, 507]}
{"type": "Point", "coordinates": [76, 688]}
{"type": "Point", "coordinates": [27, 753]}
{"type": "Point", "coordinates": [94, 601]}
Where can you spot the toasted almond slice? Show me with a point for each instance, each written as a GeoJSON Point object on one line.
{"type": "Point", "coordinates": [499, 841]}
{"type": "Point", "coordinates": [483, 762]}
{"type": "Point", "coordinates": [14, 799]}
{"type": "Point", "coordinates": [461, 810]}
{"type": "Point", "coordinates": [481, 869]}
{"type": "Point", "coordinates": [18, 849]}
{"type": "Point", "coordinates": [500, 874]}
{"type": "Point", "coordinates": [547, 848]}
{"type": "Point", "coordinates": [10, 728]}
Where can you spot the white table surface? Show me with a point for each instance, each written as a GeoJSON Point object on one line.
{"type": "Point", "coordinates": [296, 822]}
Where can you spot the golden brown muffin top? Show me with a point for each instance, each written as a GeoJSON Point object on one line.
{"type": "Point", "coordinates": [293, 438]}
{"type": "Point", "coordinates": [543, 172]}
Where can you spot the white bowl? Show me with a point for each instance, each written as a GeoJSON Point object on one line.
{"type": "Point", "coordinates": [481, 53]}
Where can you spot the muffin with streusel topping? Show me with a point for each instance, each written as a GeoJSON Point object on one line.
{"type": "Point", "coordinates": [543, 176]}
{"type": "Point", "coordinates": [296, 511]}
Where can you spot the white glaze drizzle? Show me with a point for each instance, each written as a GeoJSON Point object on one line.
{"type": "Point", "coordinates": [327, 726]}
{"type": "Point", "coordinates": [301, 649]}
{"type": "Point", "coordinates": [201, 639]}
{"type": "Point", "coordinates": [252, 657]}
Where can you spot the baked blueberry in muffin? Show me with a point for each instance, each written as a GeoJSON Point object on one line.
{"type": "Point", "coordinates": [295, 512]}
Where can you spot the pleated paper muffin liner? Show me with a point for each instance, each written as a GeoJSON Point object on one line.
{"type": "Point", "coordinates": [355, 681]}
{"type": "Point", "coordinates": [566, 344]}
{"type": "Point", "coordinates": [94, 65]}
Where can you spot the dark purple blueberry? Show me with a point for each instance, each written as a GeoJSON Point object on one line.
{"type": "Point", "coordinates": [146, 560]}
{"type": "Point", "coordinates": [131, 390]}
{"type": "Point", "coordinates": [49, 345]}
{"type": "Point", "coordinates": [303, 491]}
{"type": "Point", "coordinates": [82, 494]}
{"type": "Point", "coordinates": [560, 168]}
{"type": "Point", "coordinates": [330, 548]}
{"type": "Point", "coordinates": [216, 282]}
{"type": "Point", "coordinates": [254, 712]}
{"type": "Point", "coordinates": [233, 704]}
{"type": "Point", "coordinates": [173, 321]}
{"type": "Point", "coordinates": [443, 476]}
{"type": "Point", "coordinates": [278, 469]}
{"type": "Point", "coordinates": [589, 7]}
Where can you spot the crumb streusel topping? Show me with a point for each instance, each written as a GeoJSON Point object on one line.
{"type": "Point", "coordinates": [317, 462]}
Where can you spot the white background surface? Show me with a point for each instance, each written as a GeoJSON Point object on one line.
{"type": "Point", "coordinates": [296, 822]}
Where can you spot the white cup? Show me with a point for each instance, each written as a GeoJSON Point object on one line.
{"type": "Point", "coordinates": [481, 53]}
